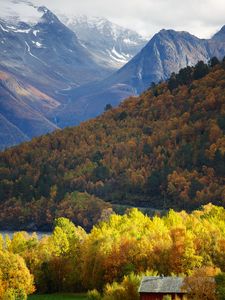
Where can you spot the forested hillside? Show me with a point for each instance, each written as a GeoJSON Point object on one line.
{"type": "Point", "coordinates": [162, 149]}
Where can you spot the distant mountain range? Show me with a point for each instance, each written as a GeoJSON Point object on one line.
{"type": "Point", "coordinates": [111, 45]}
{"type": "Point", "coordinates": [48, 49]}
{"type": "Point", "coordinates": [168, 51]}
{"type": "Point", "coordinates": [56, 72]}
{"type": "Point", "coordinates": [42, 60]}
{"type": "Point", "coordinates": [37, 61]}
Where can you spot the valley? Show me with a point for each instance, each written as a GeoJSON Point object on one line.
{"type": "Point", "coordinates": [112, 150]}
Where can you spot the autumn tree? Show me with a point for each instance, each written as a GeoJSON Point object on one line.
{"type": "Point", "coordinates": [15, 277]}
{"type": "Point", "coordinates": [201, 285]}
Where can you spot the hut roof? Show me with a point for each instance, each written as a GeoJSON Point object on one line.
{"type": "Point", "coordinates": [160, 284]}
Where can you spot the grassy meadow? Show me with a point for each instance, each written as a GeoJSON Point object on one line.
{"type": "Point", "coordinates": [58, 297]}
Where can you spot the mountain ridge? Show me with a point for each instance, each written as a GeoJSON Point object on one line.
{"type": "Point", "coordinates": [168, 51]}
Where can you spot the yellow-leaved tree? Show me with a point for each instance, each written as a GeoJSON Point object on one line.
{"type": "Point", "coordinates": [15, 278]}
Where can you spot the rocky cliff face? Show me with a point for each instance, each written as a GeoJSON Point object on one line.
{"type": "Point", "coordinates": [216, 46]}
{"type": "Point", "coordinates": [168, 51]}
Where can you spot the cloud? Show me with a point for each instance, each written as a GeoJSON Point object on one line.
{"type": "Point", "coordinates": [201, 17]}
{"type": "Point", "coordinates": [16, 10]}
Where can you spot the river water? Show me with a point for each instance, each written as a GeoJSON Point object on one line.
{"type": "Point", "coordinates": [40, 234]}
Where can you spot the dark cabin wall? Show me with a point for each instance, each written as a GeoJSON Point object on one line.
{"type": "Point", "coordinates": [159, 296]}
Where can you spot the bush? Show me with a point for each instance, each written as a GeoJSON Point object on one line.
{"type": "Point", "coordinates": [93, 295]}
{"type": "Point", "coordinates": [114, 291]}
{"type": "Point", "coordinates": [126, 290]}
{"type": "Point", "coordinates": [220, 286]}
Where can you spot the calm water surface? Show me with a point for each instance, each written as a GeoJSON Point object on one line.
{"type": "Point", "coordinates": [40, 234]}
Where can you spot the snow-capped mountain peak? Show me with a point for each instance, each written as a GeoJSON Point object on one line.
{"type": "Point", "coordinates": [98, 23]}
{"type": "Point", "coordinates": [109, 43]}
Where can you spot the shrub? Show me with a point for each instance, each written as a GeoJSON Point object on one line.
{"type": "Point", "coordinates": [126, 290]}
{"type": "Point", "coordinates": [93, 295]}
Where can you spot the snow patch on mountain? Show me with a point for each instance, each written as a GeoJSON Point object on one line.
{"type": "Point", "coordinates": [129, 42]}
{"type": "Point", "coordinates": [22, 30]}
{"type": "Point", "coordinates": [35, 32]}
{"type": "Point", "coordinates": [5, 30]}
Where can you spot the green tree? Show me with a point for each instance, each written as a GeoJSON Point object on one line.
{"type": "Point", "coordinates": [200, 70]}
{"type": "Point", "coordinates": [214, 61]}
{"type": "Point", "coordinates": [100, 173]}
{"type": "Point", "coordinates": [108, 107]}
{"type": "Point", "coordinates": [153, 183]}
{"type": "Point", "coordinates": [220, 286]}
{"type": "Point", "coordinates": [173, 82]}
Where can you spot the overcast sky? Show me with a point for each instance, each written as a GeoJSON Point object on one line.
{"type": "Point", "coordinates": [200, 17]}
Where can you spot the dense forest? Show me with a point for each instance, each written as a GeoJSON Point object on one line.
{"type": "Point", "coordinates": [111, 259]}
{"type": "Point", "coordinates": [164, 149]}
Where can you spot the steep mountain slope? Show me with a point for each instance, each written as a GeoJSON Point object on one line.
{"type": "Point", "coordinates": [166, 52]}
{"type": "Point", "coordinates": [10, 134]}
{"type": "Point", "coordinates": [163, 149]}
{"type": "Point", "coordinates": [47, 53]}
{"type": "Point", "coordinates": [38, 62]}
{"type": "Point", "coordinates": [110, 44]}
{"type": "Point", "coordinates": [23, 109]}
{"type": "Point", "coordinates": [41, 61]}
{"type": "Point", "coordinates": [216, 44]}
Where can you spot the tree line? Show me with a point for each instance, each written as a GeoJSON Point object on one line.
{"type": "Point", "coordinates": [111, 259]}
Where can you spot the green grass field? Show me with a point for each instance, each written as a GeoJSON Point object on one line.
{"type": "Point", "coordinates": [58, 297]}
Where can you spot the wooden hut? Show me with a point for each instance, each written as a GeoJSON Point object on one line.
{"type": "Point", "coordinates": [157, 287]}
